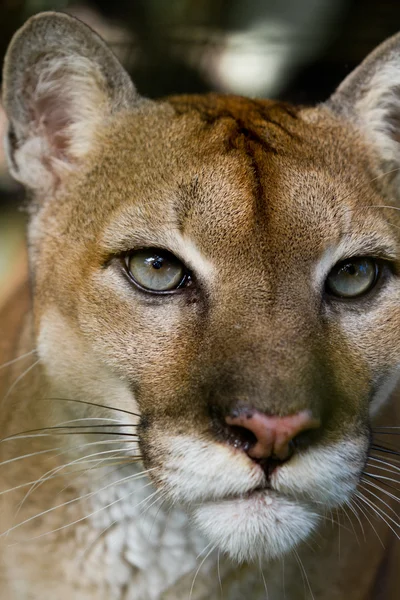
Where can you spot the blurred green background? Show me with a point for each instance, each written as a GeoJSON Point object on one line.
{"type": "Point", "coordinates": [297, 50]}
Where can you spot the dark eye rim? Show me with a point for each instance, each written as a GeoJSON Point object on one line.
{"type": "Point", "coordinates": [184, 282]}
{"type": "Point", "coordinates": [380, 267]}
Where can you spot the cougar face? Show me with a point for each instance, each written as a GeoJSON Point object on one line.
{"type": "Point", "coordinates": [231, 265]}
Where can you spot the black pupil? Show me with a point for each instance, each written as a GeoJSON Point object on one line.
{"type": "Point", "coordinates": [350, 268]}
{"type": "Point", "coordinates": [157, 263]}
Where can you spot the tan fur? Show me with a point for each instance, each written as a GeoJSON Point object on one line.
{"type": "Point", "coordinates": [260, 200]}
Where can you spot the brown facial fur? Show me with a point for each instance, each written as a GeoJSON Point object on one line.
{"type": "Point", "coordinates": [259, 200]}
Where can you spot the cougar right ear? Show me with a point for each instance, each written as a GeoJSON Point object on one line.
{"type": "Point", "coordinates": [370, 98]}
{"type": "Point", "coordinates": [60, 83]}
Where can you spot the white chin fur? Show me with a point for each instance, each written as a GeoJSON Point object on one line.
{"type": "Point", "coordinates": [262, 526]}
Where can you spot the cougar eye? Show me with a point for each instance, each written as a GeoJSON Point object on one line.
{"type": "Point", "coordinates": [352, 278]}
{"type": "Point", "coordinates": [155, 270]}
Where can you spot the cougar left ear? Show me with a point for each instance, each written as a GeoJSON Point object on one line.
{"type": "Point", "coordinates": [60, 84]}
{"type": "Point", "coordinates": [370, 98]}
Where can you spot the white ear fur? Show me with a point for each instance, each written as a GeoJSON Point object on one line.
{"type": "Point", "coordinates": [60, 83]}
{"type": "Point", "coordinates": [370, 98]}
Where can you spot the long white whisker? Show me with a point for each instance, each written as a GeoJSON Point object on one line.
{"type": "Point", "coordinates": [88, 495]}
{"type": "Point", "coordinates": [219, 574]}
{"type": "Point", "coordinates": [15, 360]}
{"type": "Point", "coordinates": [353, 510]}
{"type": "Point", "coordinates": [80, 557]}
{"type": "Point", "coordinates": [381, 490]}
{"type": "Point", "coordinates": [283, 578]}
{"type": "Point", "coordinates": [59, 434]}
{"type": "Point", "coordinates": [19, 378]}
{"type": "Point", "coordinates": [386, 504]}
{"type": "Point", "coordinates": [379, 512]}
{"type": "Point", "coordinates": [304, 572]}
{"type": "Point", "coordinates": [383, 206]}
{"type": "Point", "coordinates": [264, 581]}
{"type": "Point", "coordinates": [198, 570]}
{"type": "Point", "coordinates": [393, 469]}
{"type": "Point", "coordinates": [22, 485]}
{"type": "Point", "coordinates": [158, 495]}
{"type": "Point", "coordinates": [376, 476]}
{"type": "Point", "coordinates": [339, 534]}
{"type": "Point", "coordinates": [30, 455]}
{"type": "Point", "coordinates": [118, 421]}
{"type": "Point", "coordinates": [351, 523]}
{"type": "Point", "coordinates": [368, 519]}
{"type": "Point", "coordinates": [49, 475]}
{"type": "Point", "coordinates": [82, 518]}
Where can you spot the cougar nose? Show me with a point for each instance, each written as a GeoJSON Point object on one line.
{"type": "Point", "coordinates": [272, 434]}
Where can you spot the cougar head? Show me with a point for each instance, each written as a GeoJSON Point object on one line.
{"type": "Point", "coordinates": [225, 269]}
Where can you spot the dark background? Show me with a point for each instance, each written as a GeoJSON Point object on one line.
{"type": "Point", "coordinates": [297, 50]}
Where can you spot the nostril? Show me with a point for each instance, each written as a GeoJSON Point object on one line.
{"type": "Point", "coordinates": [263, 436]}
{"type": "Point", "coordinates": [240, 437]}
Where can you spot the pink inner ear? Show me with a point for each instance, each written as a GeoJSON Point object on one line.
{"type": "Point", "coordinates": [53, 115]}
{"type": "Point", "coordinates": [68, 97]}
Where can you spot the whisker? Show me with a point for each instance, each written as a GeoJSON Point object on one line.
{"type": "Point", "coordinates": [263, 579]}
{"type": "Point", "coordinates": [386, 504]}
{"type": "Point", "coordinates": [381, 490]}
{"type": "Point", "coordinates": [52, 427]}
{"type": "Point", "coordinates": [118, 421]}
{"type": "Point", "coordinates": [368, 519]}
{"type": "Point", "coordinates": [351, 523]}
{"type": "Point", "coordinates": [61, 432]}
{"type": "Point", "coordinates": [303, 571]}
{"type": "Point", "coordinates": [198, 570]}
{"type": "Point", "coordinates": [30, 455]}
{"type": "Point", "coordinates": [382, 477]}
{"type": "Point", "coordinates": [384, 462]}
{"type": "Point", "coordinates": [61, 451]}
{"type": "Point", "coordinates": [22, 485]}
{"type": "Point", "coordinates": [383, 206]}
{"type": "Point", "coordinates": [219, 574]}
{"type": "Point", "coordinates": [19, 378]}
{"type": "Point", "coordinates": [393, 461]}
{"type": "Point", "coordinates": [127, 412]}
{"type": "Point", "coordinates": [158, 495]}
{"type": "Point", "coordinates": [379, 478]}
{"type": "Point", "coordinates": [353, 510]}
{"type": "Point", "coordinates": [379, 512]}
{"type": "Point", "coordinates": [339, 535]}
{"type": "Point", "coordinates": [82, 518]}
{"type": "Point", "coordinates": [385, 450]}
{"type": "Point", "coordinates": [39, 482]}
{"type": "Point", "coordinates": [68, 502]}
{"type": "Point", "coordinates": [82, 555]}
{"type": "Point", "coordinates": [283, 578]}
{"type": "Point", "coordinates": [163, 497]}
{"type": "Point", "coordinates": [15, 360]}
{"type": "Point", "coordinates": [114, 459]}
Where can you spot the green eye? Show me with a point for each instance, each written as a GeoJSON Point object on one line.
{"type": "Point", "coordinates": [155, 270]}
{"type": "Point", "coordinates": [352, 278]}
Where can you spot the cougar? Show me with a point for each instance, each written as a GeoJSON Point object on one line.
{"type": "Point", "coordinates": [199, 374]}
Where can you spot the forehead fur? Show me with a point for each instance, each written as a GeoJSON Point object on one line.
{"type": "Point", "coordinates": [209, 165]}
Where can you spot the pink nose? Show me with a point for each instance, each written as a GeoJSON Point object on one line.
{"type": "Point", "coordinates": [273, 434]}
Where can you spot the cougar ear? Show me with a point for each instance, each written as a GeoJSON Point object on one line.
{"type": "Point", "coordinates": [60, 82]}
{"type": "Point", "coordinates": [370, 98]}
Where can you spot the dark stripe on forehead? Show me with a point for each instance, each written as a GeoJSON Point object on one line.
{"type": "Point", "coordinates": [264, 122]}
{"type": "Point", "coordinates": [255, 128]}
